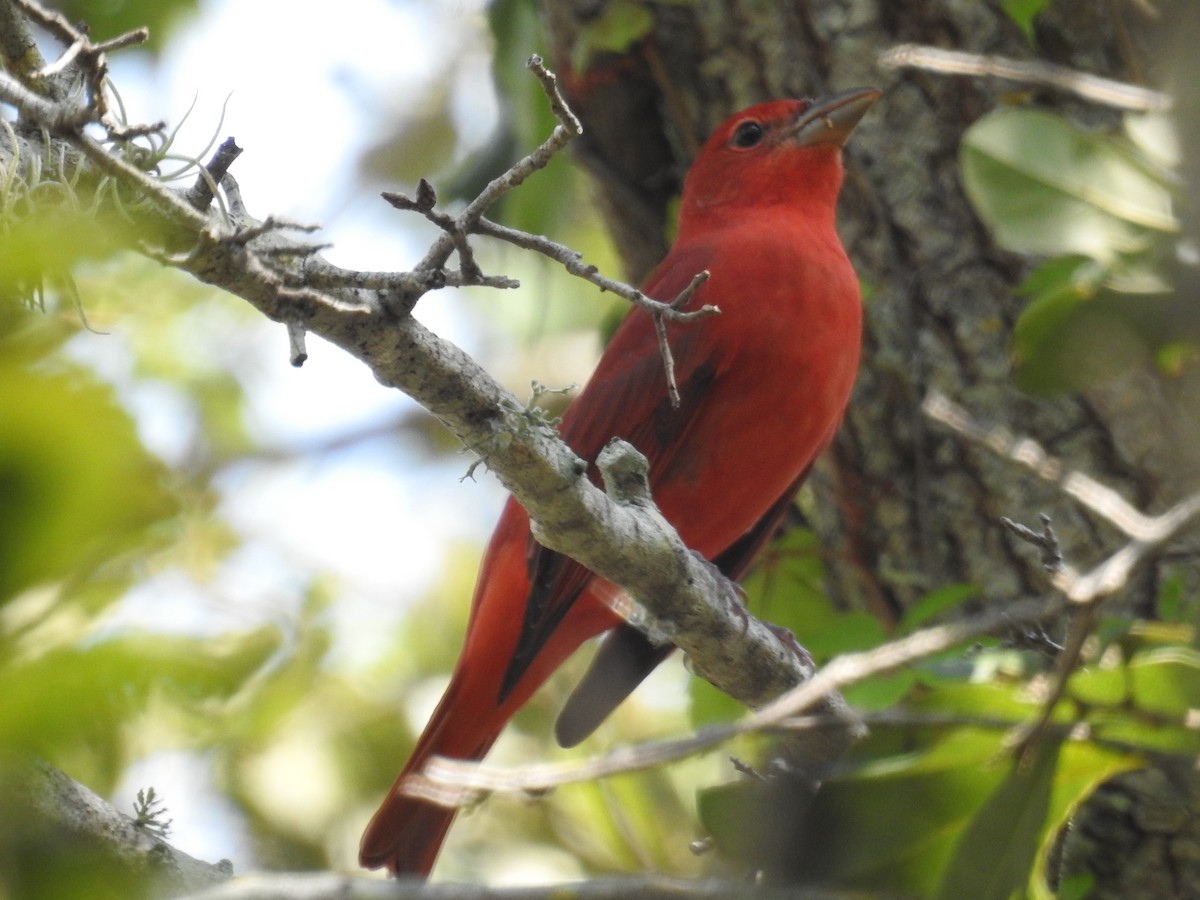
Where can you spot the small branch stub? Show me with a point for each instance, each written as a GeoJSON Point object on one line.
{"type": "Point", "coordinates": [626, 473]}
{"type": "Point", "coordinates": [1046, 541]}
{"type": "Point", "coordinates": [298, 350]}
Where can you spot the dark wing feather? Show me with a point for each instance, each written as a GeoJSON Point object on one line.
{"type": "Point", "coordinates": [627, 398]}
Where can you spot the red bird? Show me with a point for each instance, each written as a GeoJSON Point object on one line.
{"type": "Point", "coordinates": [764, 386]}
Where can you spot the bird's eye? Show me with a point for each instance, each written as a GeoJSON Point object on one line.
{"type": "Point", "coordinates": [748, 134]}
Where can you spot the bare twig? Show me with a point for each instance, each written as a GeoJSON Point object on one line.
{"type": "Point", "coordinates": [571, 261]}
{"type": "Point", "coordinates": [568, 129]}
{"type": "Point", "coordinates": [425, 203]}
{"type": "Point", "coordinates": [458, 783]}
{"type": "Point", "coordinates": [1147, 533]}
{"type": "Point", "coordinates": [81, 46]}
{"type": "Point", "coordinates": [1045, 540]}
{"type": "Point", "coordinates": [89, 59]}
{"type": "Point", "coordinates": [1090, 87]}
{"type": "Point", "coordinates": [471, 221]}
{"type": "Point", "coordinates": [1081, 620]}
{"type": "Point", "coordinates": [660, 311]}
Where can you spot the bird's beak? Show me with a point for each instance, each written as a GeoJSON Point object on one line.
{"type": "Point", "coordinates": [831, 121]}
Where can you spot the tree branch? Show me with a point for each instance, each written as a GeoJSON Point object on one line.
{"type": "Point", "coordinates": [624, 540]}
{"type": "Point", "coordinates": [1083, 591]}
{"type": "Point", "coordinates": [457, 783]}
{"type": "Point", "coordinates": [322, 886]}
{"type": "Point", "coordinates": [1095, 88]}
{"type": "Point", "coordinates": [41, 796]}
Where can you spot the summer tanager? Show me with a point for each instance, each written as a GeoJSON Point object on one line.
{"type": "Point", "coordinates": [764, 385]}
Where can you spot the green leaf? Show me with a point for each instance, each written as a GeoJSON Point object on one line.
{"type": "Point", "coordinates": [621, 24]}
{"type": "Point", "coordinates": [1166, 681]}
{"type": "Point", "coordinates": [1073, 338]}
{"type": "Point", "coordinates": [78, 486]}
{"type": "Point", "coordinates": [786, 588]}
{"type": "Point", "coordinates": [1047, 187]}
{"type": "Point", "coordinates": [708, 705]}
{"type": "Point", "coordinates": [1023, 13]}
{"type": "Point", "coordinates": [855, 839]}
{"type": "Point", "coordinates": [83, 697]}
{"type": "Point", "coordinates": [880, 691]}
{"type": "Point", "coordinates": [848, 835]}
{"type": "Point", "coordinates": [988, 699]}
{"type": "Point", "coordinates": [1100, 686]}
{"type": "Point", "coordinates": [995, 856]}
{"type": "Point", "coordinates": [1073, 271]}
{"type": "Point", "coordinates": [1175, 605]}
{"type": "Point", "coordinates": [1082, 767]}
{"type": "Point", "coordinates": [934, 604]}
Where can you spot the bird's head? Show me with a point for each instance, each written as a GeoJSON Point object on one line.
{"type": "Point", "coordinates": [779, 152]}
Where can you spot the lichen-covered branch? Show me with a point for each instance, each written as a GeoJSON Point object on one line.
{"type": "Point", "coordinates": [44, 799]}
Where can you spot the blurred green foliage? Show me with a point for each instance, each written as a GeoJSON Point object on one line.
{"type": "Point", "coordinates": [110, 18]}
{"type": "Point", "coordinates": [1023, 12]}
{"type": "Point", "coordinates": [1097, 207]}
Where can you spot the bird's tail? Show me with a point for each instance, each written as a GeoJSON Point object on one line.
{"type": "Point", "coordinates": [406, 832]}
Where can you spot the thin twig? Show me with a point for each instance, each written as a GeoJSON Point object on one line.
{"type": "Point", "coordinates": [1045, 540]}
{"type": "Point", "coordinates": [455, 231]}
{"type": "Point", "coordinates": [425, 203]}
{"type": "Point", "coordinates": [451, 782]}
{"type": "Point", "coordinates": [54, 22]}
{"type": "Point", "coordinates": [1025, 737]}
{"type": "Point", "coordinates": [571, 261]}
{"type": "Point", "coordinates": [1098, 497]}
{"type": "Point", "coordinates": [1147, 533]}
{"type": "Point", "coordinates": [1090, 87]}
{"type": "Point", "coordinates": [566, 131]}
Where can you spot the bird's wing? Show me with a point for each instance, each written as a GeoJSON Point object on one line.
{"type": "Point", "coordinates": [626, 397]}
{"type": "Point", "coordinates": [627, 656]}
